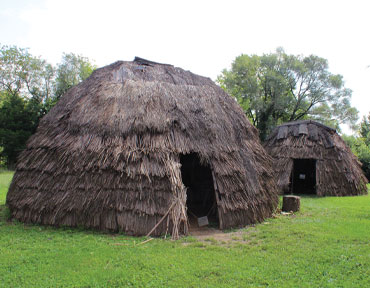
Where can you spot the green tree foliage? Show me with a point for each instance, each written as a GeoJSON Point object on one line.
{"type": "Point", "coordinates": [25, 75]}
{"type": "Point", "coordinates": [275, 88]}
{"type": "Point", "coordinates": [17, 123]}
{"type": "Point", "coordinates": [365, 129]}
{"type": "Point", "coordinates": [360, 145]}
{"type": "Point", "coordinates": [29, 87]}
{"type": "Point", "coordinates": [25, 85]}
{"type": "Point", "coordinates": [72, 70]}
{"type": "Point", "coordinates": [361, 150]}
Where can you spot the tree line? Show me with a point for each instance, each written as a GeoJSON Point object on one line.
{"type": "Point", "coordinates": [29, 88]}
{"type": "Point", "coordinates": [276, 88]}
{"type": "Point", "coordinates": [271, 88]}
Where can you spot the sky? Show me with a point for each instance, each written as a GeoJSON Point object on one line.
{"type": "Point", "coordinates": [201, 36]}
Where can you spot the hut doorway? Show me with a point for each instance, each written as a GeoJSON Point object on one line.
{"type": "Point", "coordinates": [201, 198]}
{"type": "Point", "coordinates": [304, 176]}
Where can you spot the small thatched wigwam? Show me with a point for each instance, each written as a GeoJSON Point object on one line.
{"type": "Point", "coordinates": [311, 158]}
{"type": "Point", "coordinates": [141, 145]}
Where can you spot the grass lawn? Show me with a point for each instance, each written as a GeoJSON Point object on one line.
{"type": "Point", "coordinates": [327, 244]}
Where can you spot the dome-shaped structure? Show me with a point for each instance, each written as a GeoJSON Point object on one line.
{"type": "Point", "coordinates": [140, 145]}
{"type": "Point", "coordinates": [312, 158]}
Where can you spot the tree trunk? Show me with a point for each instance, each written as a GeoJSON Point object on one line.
{"type": "Point", "coordinates": [291, 203]}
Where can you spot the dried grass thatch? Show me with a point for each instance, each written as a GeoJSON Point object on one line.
{"type": "Point", "coordinates": [338, 171]}
{"type": "Point", "coordinates": [107, 155]}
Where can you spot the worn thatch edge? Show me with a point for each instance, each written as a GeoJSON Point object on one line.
{"type": "Point", "coordinates": [307, 122]}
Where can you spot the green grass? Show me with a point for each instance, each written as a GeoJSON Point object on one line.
{"type": "Point", "coordinates": [327, 244]}
{"type": "Point", "coordinates": [5, 178]}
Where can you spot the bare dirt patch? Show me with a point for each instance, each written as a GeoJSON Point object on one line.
{"type": "Point", "coordinates": [217, 236]}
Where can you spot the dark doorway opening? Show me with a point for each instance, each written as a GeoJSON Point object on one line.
{"type": "Point", "coordinates": [304, 176]}
{"type": "Point", "coordinates": [201, 198]}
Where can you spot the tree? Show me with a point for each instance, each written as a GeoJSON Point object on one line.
{"type": "Point", "coordinates": [28, 90]}
{"type": "Point", "coordinates": [28, 77]}
{"type": "Point", "coordinates": [26, 84]}
{"type": "Point", "coordinates": [275, 88]}
{"type": "Point", "coordinates": [72, 70]}
{"type": "Point", "coordinates": [25, 75]}
{"type": "Point", "coordinates": [360, 145]}
{"type": "Point", "coordinates": [361, 150]}
{"type": "Point", "coordinates": [365, 129]}
{"type": "Point", "coordinates": [17, 123]}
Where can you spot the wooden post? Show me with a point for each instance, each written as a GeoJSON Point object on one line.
{"type": "Point", "coordinates": [218, 200]}
{"type": "Point", "coordinates": [291, 203]}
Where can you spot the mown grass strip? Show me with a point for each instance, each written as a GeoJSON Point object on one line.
{"type": "Point", "coordinates": [327, 244]}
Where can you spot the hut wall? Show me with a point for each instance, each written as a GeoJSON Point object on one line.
{"type": "Point", "coordinates": [104, 200]}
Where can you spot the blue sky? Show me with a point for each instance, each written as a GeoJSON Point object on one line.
{"type": "Point", "coordinates": [201, 36]}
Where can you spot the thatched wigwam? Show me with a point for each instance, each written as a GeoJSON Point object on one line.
{"type": "Point", "coordinates": [141, 143]}
{"type": "Point", "coordinates": [312, 158]}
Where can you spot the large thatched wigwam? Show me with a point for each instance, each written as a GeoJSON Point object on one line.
{"type": "Point", "coordinates": [140, 145]}
{"type": "Point", "coordinates": [312, 158]}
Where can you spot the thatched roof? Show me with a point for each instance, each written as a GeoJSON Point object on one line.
{"type": "Point", "coordinates": [338, 171]}
{"type": "Point", "coordinates": [107, 155]}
